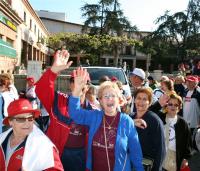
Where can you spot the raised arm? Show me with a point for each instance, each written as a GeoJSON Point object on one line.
{"type": "Point", "coordinates": [79, 115]}
{"type": "Point", "coordinates": [45, 86]}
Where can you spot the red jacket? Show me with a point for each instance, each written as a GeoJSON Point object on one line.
{"type": "Point", "coordinates": [58, 130]}
{"type": "Point", "coordinates": [18, 159]}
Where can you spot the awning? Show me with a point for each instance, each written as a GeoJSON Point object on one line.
{"type": "Point", "coordinates": [7, 50]}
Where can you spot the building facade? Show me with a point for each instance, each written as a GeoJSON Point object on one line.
{"type": "Point", "coordinates": [130, 55]}
{"type": "Point", "coordinates": [9, 23]}
{"type": "Point", "coordinates": [21, 31]}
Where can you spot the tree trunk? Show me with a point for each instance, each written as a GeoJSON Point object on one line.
{"type": "Point", "coordinates": [116, 52]}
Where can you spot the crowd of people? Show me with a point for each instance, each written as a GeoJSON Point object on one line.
{"type": "Point", "coordinates": [104, 129]}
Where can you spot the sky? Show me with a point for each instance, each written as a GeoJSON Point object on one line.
{"type": "Point", "coordinates": [141, 13]}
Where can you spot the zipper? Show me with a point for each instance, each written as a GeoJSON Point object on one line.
{"type": "Point", "coordinates": [11, 157]}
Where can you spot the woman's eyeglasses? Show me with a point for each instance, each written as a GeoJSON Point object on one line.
{"type": "Point", "coordinates": [23, 119]}
{"type": "Point", "coordinates": [108, 96]}
{"type": "Point", "coordinates": [171, 104]}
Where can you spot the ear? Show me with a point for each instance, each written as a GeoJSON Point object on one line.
{"type": "Point", "coordinates": [100, 101]}
{"type": "Point", "coordinates": [10, 122]}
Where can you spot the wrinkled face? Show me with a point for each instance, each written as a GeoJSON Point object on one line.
{"type": "Point", "coordinates": [173, 107]}
{"type": "Point", "coordinates": [191, 85]}
{"type": "Point", "coordinates": [109, 101]}
{"type": "Point", "coordinates": [136, 81]}
{"type": "Point", "coordinates": [142, 102]}
{"type": "Point", "coordinates": [22, 124]}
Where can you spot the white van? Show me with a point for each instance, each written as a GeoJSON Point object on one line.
{"type": "Point", "coordinates": [97, 72]}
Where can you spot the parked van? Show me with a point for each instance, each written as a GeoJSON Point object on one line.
{"type": "Point", "coordinates": [97, 72]}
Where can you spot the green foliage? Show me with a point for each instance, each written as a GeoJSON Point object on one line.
{"type": "Point", "coordinates": [91, 45]}
{"type": "Point", "coordinates": [177, 35]}
{"type": "Point", "coordinates": [106, 17]}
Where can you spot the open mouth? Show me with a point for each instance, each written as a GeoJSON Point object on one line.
{"type": "Point", "coordinates": [110, 105]}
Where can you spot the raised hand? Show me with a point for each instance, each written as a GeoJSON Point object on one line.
{"type": "Point", "coordinates": [80, 80]}
{"type": "Point", "coordinates": [61, 61]}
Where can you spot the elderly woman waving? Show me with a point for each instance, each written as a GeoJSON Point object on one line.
{"type": "Point", "coordinates": [113, 142]}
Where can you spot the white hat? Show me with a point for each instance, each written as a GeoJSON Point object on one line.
{"type": "Point", "coordinates": [139, 72]}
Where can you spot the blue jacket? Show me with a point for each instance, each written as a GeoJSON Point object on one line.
{"type": "Point", "coordinates": [126, 140]}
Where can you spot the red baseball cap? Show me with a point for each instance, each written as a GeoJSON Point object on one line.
{"type": "Point", "coordinates": [192, 78]}
{"type": "Point", "coordinates": [20, 106]}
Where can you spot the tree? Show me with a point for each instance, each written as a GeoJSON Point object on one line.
{"type": "Point", "coordinates": [106, 18]}
{"type": "Point", "coordinates": [90, 44]}
{"type": "Point", "coordinates": [177, 34]}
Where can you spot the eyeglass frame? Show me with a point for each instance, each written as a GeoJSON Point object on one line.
{"type": "Point", "coordinates": [29, 118]}
{"type": "Point", "coordinates": [174, 105]}
{"type": "Point", "coordinates": [108, 96]}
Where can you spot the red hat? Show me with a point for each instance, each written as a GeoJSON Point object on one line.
{"type": "Point", "coordinates": [20, 106]}
{"type": "Point", "coordinates": [113, 79]}
{"type": "Point", "coordinates": [31, 79]}
{"type": "Point", "coordinates": [192, 78]}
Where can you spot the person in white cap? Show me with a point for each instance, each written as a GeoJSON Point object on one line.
{"type": "Point", "coordinates": [137, 78]}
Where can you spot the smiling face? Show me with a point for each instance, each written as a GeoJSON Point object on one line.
{"type": "Point", "coordinates": [21, 126]}
{"type": "Point", "coordinates": [109, 101]}
{"type": "Point", "coordinates": [191, 85]}
{"type": "Point", "coordinates": [136, 81]}
{"type": "Point", "coordinates": [142, 102]}
{"type": "Point", "coordinates": [173, 107]}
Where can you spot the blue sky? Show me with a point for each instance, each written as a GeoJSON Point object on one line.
{"type": "Point", "coordinates": [141, 13]}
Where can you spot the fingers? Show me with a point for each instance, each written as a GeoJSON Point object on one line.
{"type": "Point", "coordinates": [69, 64]}
{"type": "Point", "coordinates": [81, 72]}
{"type": "Point", "coordinates": [140, 123]}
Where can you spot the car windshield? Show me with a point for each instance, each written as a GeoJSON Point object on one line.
{"type": "Point", "coordinates": [97, 73]}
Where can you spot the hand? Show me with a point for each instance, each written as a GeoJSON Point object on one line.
{"type": "Point", "coordinates": [140, 123]}
{"type": "Point", "coordinates": [163, 100]}
{"type": "Point", "coordinates": [184, 163]}
{"type": "Point", "coordinates": [80, 80]}
{"type": "Point", "coordinates": [61, 61]}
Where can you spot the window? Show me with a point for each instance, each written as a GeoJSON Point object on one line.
{"type": "Point", "coordinates": [35, 29]}
{"type": "Point", "coordinates": [38, 35]}
{"type": "Point", "coordinates": [30, 24]}
{"type": "Point", "coordinates": [24, 17]}
{"type": "Point", "coordinates": [10, 41]}
{"type": "Point", "coordinates": [128, 50]}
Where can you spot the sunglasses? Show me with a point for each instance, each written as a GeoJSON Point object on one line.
{"type": "Point", "coordinates": [171, 104]}
{"type": "Point", "coordinates": [23, 119]}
